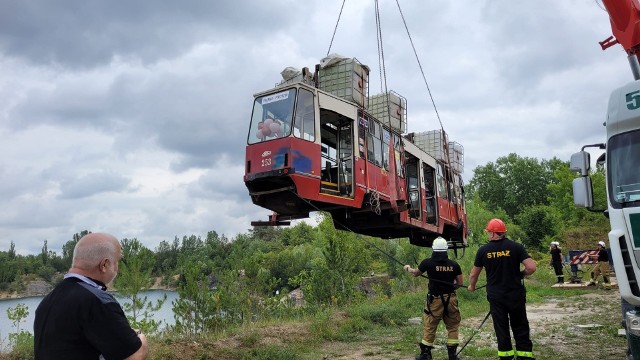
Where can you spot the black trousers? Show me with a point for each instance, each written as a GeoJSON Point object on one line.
{"type": "Point", "coordinates": [511, 310]}
{"type": "Point", "coordinates": [557, 267]}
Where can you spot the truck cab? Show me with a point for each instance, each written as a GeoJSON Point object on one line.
{"type": "Point", "coordinates": [622, 156]}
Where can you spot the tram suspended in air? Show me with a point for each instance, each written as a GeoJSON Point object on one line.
{"type": "Point", "coordinates": [318, 142]}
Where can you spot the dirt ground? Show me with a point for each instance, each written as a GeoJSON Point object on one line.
{"type": "Point", "coordinates": [581, 327]}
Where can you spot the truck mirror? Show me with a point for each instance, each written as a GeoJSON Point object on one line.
{"type": "Point", "coordinates": [582, 192]}
{"type": "Point", "coordinates": [580, 162]}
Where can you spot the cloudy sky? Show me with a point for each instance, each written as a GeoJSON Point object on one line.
{"type": "Point", "coordinates": [131, 117]}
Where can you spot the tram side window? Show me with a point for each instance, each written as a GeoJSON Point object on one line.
{"type": "Point", "coordinates": [459, 189]}
{"type": "Point", "coordinates": [370, 150]}
{"type": "Point", "coordinates": [377, 145]}
{"type": "Point", "coordinates": [396, 146]}
{"type": "Point", "coordinates": [428, 180]}
{"type": "Point", "coordinates": [304, 124]}
{"type": "Point", "coordinates": [386, 139]}
{"type": "Point", "coordinates": [374, 147]}
{"type": "Point", "coordinates": [412, 176]}
{"type": "Point", "coordinates": [361, 136]}
{"type": "Point", "coordinates": [442, 183]}
{"type": "Point", "coordinates": [374, 143]}
{"type": "Point", "coordinates": [456, 189]}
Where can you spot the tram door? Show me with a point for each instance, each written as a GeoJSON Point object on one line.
{"type": "Point", "coordinates": [413, 188]}
{"type": "Point", "coordinates": [431, 208]}
{"type": "Point", "coordinates": [337, 154]}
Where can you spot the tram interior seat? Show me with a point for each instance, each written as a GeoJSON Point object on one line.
{"type": "Point", "coordinates": [326, 173]}
{"type": "Point", "coordinates": [329, 173]}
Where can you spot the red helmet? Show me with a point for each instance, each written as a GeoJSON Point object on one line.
{"type": "Point", "coordinates": [496, 225]}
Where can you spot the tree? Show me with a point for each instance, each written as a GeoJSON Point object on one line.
{"type": "Point", "coordinates": [407, 254]}
{"type": "Point", "coordinates": [332, 278]}
{"type": "Point", "coordinates": [8, 270]}
{"type": "Point", "coordinates": [166, 258]}
{"type": "Point", "coordinates": [265, 233]}
{"type": "Point", "coordinates": [17, 315]}
{"type": "Point", "coordinates": [234, 300]}
{"type": "Point", "coordinates": [513, 183]}
{"type": "Point", "coordinates": [67, 248]}
{"type": "Point", "coordinates": [196, 303]}
{"type": "Point", "coordinates": [217, 249]}
{"type": "Point", "coordinates": [133, 278]}
{"type": "Point", "coordinates": [283, 265]}
{"type": "Point", "coordinates": [478, 215]}
{"type": "Point", "coordinates": [301, 233]}
{"type": "Point", "coordinates": [561, 198]}
{"type": "Point", "coordinates": [22, 341]}
{"type": "Point", "coordinates": [191, 245]}
{"type": "Point", "coordinates": [44, 254]}
{"type": "Point", "coordinates": [538, 223]}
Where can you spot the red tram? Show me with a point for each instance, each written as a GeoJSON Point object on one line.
{"type": "Point", "coordinates": [316, 148]}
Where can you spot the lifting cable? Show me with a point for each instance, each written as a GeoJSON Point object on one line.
{"type": "Point", "coordinates": [383, 86]}
{"type": "Point", "coordinates": [359, 236]}
{"type": "Point", "coordinates": [444, 143]}
{"type": "Point", "coordinates": [419, 65]}
{"type": "Point", "coordinates": [336, 28]}
{"type": "Point", "coordinates": [381, 64]}
{"type": "Point", "coordinates": [474, 333]}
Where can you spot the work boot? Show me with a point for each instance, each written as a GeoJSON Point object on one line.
{"type": "Point", "coordinates": [451, 350]}
{"type": "Point", "coordinates": [506, 357]}
{"type": "Point", "coordinates": [425, 352]}
{"type": "Point", "coordinates": [561, 280]}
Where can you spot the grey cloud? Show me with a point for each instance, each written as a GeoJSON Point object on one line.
{"type": "Point", "coordinates": [89, 33]}
{"type": "Point", "coordinates": [18, 182]}
{"type": "Point", "coordinates": [92, 184]}
{"type": "Point", "coordinates": [223, 182]}
{"type": "Point", "coordinates": [159, 94]}
{"type": "Point", "coordinates": [531, 40]}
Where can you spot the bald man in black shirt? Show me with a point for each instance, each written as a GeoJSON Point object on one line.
{"type": "Point", "coordinates": [79, 319]}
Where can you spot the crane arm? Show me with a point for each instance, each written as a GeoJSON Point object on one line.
{"type": "Point", "coordinates": [625, 25]}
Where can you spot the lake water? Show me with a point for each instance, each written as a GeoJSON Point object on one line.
{"type": "Point", "coordinates": [165, 313]}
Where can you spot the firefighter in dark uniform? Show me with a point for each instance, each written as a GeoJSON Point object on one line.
{"type": "Point", "coordinates": [602, 267]}
{"type": "Point", "coordinates": [442, 304]}
{"type": "Point", "coordinates": [506, 293]}
{"type": "Point", "coordinates": [556, 261]}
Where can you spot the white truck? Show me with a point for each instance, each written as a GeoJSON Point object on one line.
{"type": "Point", "coordinates": [622, 159]}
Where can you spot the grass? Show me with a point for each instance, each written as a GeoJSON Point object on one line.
{"type": "Point", "coordinates": [377, 328]}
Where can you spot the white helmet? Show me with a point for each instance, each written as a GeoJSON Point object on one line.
{"type": "Point", "coordinates": [439, 244]}
{"type": "Point", "coordinates": [555, 243]}
{"type": "Point", "coordinates": [601, 243]}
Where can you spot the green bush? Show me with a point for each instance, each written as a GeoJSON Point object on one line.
{"type": "Point", "coordinates": [22, 343]}
{"type": "Point", "coordinates": [322, 326]}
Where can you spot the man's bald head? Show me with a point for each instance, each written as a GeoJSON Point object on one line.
{"type": "Point", "coordinates": [91, 249]}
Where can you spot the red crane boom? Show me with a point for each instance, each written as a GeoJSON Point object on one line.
{"type": "Point", "coordinates": [625, 25]}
